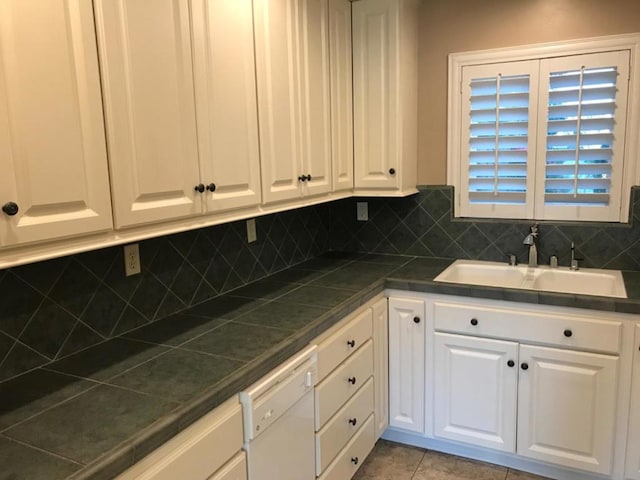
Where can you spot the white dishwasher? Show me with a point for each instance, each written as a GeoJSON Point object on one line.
{"type": "Point", "coordinates": [278, 415]}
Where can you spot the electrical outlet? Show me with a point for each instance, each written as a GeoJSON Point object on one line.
{"type": "Point", "coordinates": [252, 235]}
{"type": "Point", "coordinates": [362, 211]}
{"type": "Point", "coordinates": [131, 259]}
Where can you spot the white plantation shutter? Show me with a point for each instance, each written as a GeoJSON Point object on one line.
{"type": "Point", "coordinates": [582, 102]}
{"type": "Point", "coordinates": [498, 141]}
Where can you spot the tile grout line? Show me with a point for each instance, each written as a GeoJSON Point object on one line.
{"type": "Point", "coordinates": [48, 452]}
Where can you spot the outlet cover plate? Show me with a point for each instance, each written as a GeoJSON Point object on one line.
{"type": "Point", "coordinates": [131, 259]}
{"type": "Point", "coordinates": [252, 235]}
{"type": "Point", "coordinates": [362, 211]}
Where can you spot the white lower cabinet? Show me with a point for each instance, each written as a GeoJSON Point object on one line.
{"type": "Point", "coordinates": [407, 364]}
{"type": "Point", "coordinates": [632, 467]}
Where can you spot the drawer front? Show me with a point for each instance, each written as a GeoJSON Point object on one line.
{"type": "Point", "coordinates": [344, 424]}
{"type": "Point", "coordinates": [343, 343]}
{"type": "Point", "coordinates": [198, 451]}
{"type": "Point", "coordinates": [353, 455]}
{"type": "Point", "coordinates": [345, 380]}
{"type": "Point", "coordinates": [236, 469]}
{"type": "Point", "coordinates": [556, 329]}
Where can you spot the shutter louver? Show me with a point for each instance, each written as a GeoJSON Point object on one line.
{"type": "Point", "coordinates": [580, 136]}
{"type": "Point", "coordinates": [498, 139]}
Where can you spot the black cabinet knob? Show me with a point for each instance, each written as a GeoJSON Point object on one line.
{"type": "Point", "coordinates": [352, 380]}
{"type": "Point", "coordinates": [10, 208]}
{"type": "Point", "coordinates": [416, 319]}
{"type": "Point", "coordinates": [353, 421]}
{"type": "Point", "coordinates": [351, 343]}
{"type": "Point", "coordinates": [308, 178]}
{"type": "Point", "coordinates": [568, 333]}
{"type": "Point", "coordinates": [524, 366]}
{"type": "Point", "coordinates": [392, 171]}
{"type": "Point", "coordinates": [211, 187]}
{"type": "Point", "coordinates": [474, 321]}
{"type": "Point", "coordinates": [511, 363]}
{"type": "Point", "coordinates": [199, 188]}
{"type": "Point", "coordinates": [302, 178]}
{"type": "Point", "coordinates": [354, 460]}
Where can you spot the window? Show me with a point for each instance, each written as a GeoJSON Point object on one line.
{"type": "Point", "coordinates": [543, 136]}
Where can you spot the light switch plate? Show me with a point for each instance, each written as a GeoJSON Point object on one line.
{"type": "Point", "coordinates": [252, 235]}
{"type": "Point", "coordinates": [362, 211]}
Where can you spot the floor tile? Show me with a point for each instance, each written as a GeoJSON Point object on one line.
{"type": "Point", "coordinates": [440, 466]}
{"type": "Point", "coordinates": [84, 437]}
{"type": "Point", "coordinates": [177, 374]}
{"type": "Point", "coordinates": [316, 295]}
{"type": "Point", "coordinates": [238, 340]}
{"type": "Point", "coordinates": [175, 329]}
{"type": "Point", "coordinates": [281, 315]}
{"type": "Point", "coordinates": [32, 392]}
{"type": "Point", "coordinates": [107, 359]}
{"type": "Point", "coordinates": [516, 475]}
{"type": "Point", "coordinates": [390, 461]}
{"type": "Point", "coordinates": [20, 462]}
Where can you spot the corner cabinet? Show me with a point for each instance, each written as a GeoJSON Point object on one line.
{"type": "Point", "coordinates": [385, 96]}
{"type": "Point", "coordinates": [54, 180]}
{"type": "Point", "coordinates": [632, 469]}
{"type": "Point", "coordinates": [294, 103]}
{"type": "Point", "coordinates": [176, 150]}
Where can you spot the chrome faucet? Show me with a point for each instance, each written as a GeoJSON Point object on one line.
{"type": "Point", "coordinates": [530, 240]}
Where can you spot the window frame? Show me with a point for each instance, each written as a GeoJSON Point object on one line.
{"type": "Point", "coordinates": [455, 124]}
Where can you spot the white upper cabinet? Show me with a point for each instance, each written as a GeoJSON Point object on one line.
{"type": "Point", "coordinates": [292, 56]}
{"type": "Point", "coordinates": [385, 87]}
{"type": "Point", "coordinates": [149, 109]}
{"type": "Point", "coordinates": [226, 106]}
{"type": "Point", "coordinates": [341, 94]}
{"type": "Point", "coordinates": [52, 144]}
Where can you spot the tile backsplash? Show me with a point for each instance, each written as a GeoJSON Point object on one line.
{"type": "Point", "coordinates": [422, 225]}
{"type": "Point", "coordinates": [54, 308]}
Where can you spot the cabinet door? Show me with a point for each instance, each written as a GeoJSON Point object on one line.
{"type": "Point", "coordinates": [226, 106]}
{"type": "Point", "coordinates": [566, 407]}
{"type": "Point", "coordinates": [406, 364]}
{"type": "Point", "coordinates": [315, 95]}
{"type": "Point", "coordinates": [381, 365]}
{"type": "Point", "coordinates": [279, 102]}
{"type": "Point", "coordinates": [52, 142]}
{"type": "Point", "coordinates": [633, 442]}
{"type": "Point", "coordinates": [475, 390]}
{"type": "Point", "coordinates": [145, 51]}
{"type": "Point", "coordinates": [375, 93]}
{"type": "Point", "coordinates": [341, 94]}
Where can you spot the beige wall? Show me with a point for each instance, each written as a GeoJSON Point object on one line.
{"type": "Point", "coordinates": [449, 26]}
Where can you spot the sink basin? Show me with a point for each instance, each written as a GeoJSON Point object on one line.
{"type": "Point", "coordinates": [586, 281]}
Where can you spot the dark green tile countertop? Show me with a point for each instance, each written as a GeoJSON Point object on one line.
{"type": "Point", "coordinates": [95, 413]}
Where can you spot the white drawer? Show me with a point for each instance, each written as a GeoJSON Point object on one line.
{"type": "Point", "coordinates": [198, 451]}
{"type": "Point", "coordinates": [345, 380]}
{"type": "Point", "coordinates": [585, 332]}
{"type": "Point", "coordinates": [236, 469]}
{"type": "Point", "coordinates": [344, 424]}
{"type": "Point", "coordinates": [347, 463]}
{"type": "Point", "coordinates": [340, 345]}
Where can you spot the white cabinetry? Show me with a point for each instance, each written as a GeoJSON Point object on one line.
{"type": "Point", "coordinates": [157, 171]}
{"type": "Point", "coordinates": [381, 364]}
{"type": "Point", "coordinates": [52, 143]}
{"type": "Point", "coordinates": [385, 81]}
{"type": "Point", "coordinates": [292, 64]}
{"type": "Point", "coordinates": [632, 469]}
{"type": "Point", "coordinates": [407, 364]}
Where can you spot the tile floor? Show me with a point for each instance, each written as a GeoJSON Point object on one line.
{"type": "Point", "coordinates": [393, 461]}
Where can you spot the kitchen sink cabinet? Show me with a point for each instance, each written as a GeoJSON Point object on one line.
{"type": "Point", "coordinates": [294, 103]}
{"type": "Point", "coordinates": [54, 180]}
{"type": "Point", "coordinates": [385, 87]}
{"type": "Point", "coordinates": [632, 468]}
{"type": "Point", "coordinates": [164, 163]}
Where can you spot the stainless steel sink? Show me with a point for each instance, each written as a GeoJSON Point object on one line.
{"type": "Point", "coordinates": [586, 281]}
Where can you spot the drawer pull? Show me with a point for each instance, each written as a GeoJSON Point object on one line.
{"type": "Point", "coordinates": [416, 319]}
{"type": "Point", "coordinates": [352, 380]}
{"type": "Point", "coordinates": [353, 421]}
{"type": "Point", "coordinates": [351, 343]}
{"type": "Point", "coordinates": [474, 321]}
{"type": "Point", "coordinates": [354, 460]}
{"type": "Point", "coordinates": [524, 366]}
{"type": "Point", "coordinates": [511, 363]}
{"type": "Point", "coordinates": [568, 333]}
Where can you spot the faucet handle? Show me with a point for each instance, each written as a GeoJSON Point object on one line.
{"type": "Point", "coordinates": [513, 260]}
